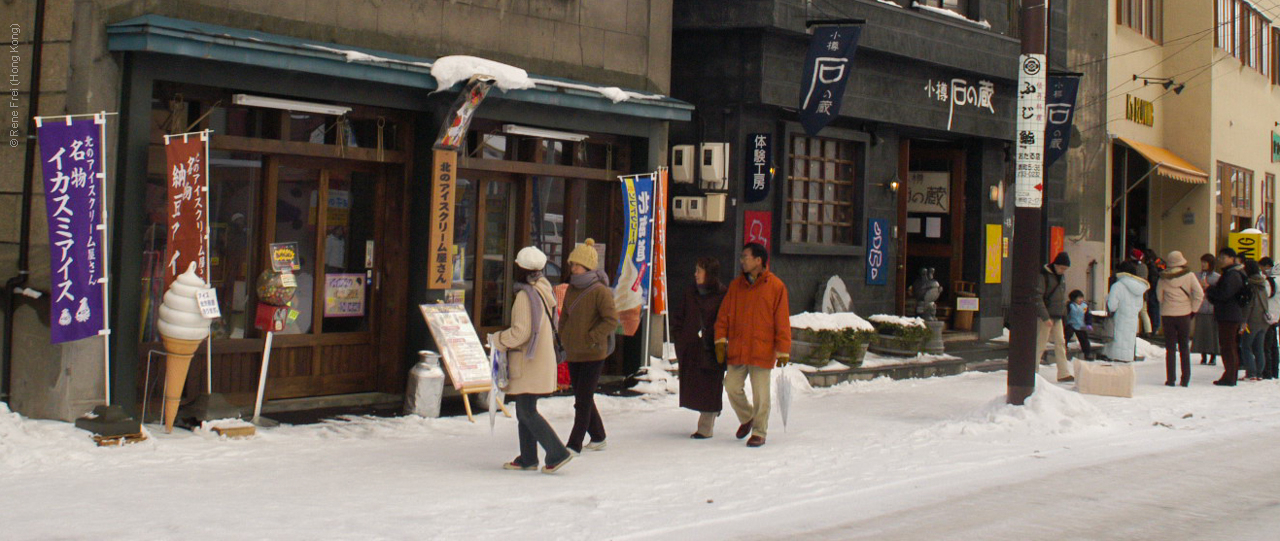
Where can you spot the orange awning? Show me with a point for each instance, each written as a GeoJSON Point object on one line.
{"type": "Point", "coordinates": [1167, 164]}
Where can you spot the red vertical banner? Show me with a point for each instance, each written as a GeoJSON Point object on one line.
{"type": "Point", "coordinates": [187, 205]}
{"type": "Point", "coordinates": [660, 245]}
{"type": "Point", "coordinates": [1057, 237]}
{"type": "Point", "coordinates": [757, 226]}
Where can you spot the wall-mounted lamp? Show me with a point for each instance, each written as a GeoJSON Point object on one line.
{"type": "Point", "coordinates": [289, 105]}
{"type": "Point", "coordinates": [892, 184]}
{"type": "Point", "coordinates": [1166, 82]}
{"type": "Point", "coordinates": [996, 194]}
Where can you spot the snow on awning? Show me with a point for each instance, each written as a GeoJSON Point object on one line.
{"type": "Point", "coordinates": [1167, 164]}
{"type": "Point", "coordinates": [165, 35]}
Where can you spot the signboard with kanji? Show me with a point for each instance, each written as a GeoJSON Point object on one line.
{"type": "Point", "coordinates": [443, 183]}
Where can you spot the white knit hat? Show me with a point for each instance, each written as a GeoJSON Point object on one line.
{"type": "Point", "coordinates": [531, 258]}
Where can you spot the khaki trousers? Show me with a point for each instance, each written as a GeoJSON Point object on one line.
{"type": "Point", "coordinates": [1052, 329]}
{"type": "Point", "coordinates": [707, 422]}
{"type": "Point", "coordinates": [735, 384]}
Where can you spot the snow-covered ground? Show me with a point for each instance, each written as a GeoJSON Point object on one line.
{"type": "Point", "coordinates": [887, 459]}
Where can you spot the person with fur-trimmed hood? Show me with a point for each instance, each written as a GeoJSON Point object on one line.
{"type": "Point", "coordinates": [1050, 300]}
{"type": "Point", "coordinates": [1179, 294]}
{"type": "Point", "coordinates": [1125, 302]}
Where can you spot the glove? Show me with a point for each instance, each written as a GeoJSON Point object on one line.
{"type": "Point", "coordinates": [784, 359]}
{"type": "Point", "coordinates": [721, 347]}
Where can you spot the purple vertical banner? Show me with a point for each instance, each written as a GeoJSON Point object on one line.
{"type": "Point", "coordinates": [71, 155]}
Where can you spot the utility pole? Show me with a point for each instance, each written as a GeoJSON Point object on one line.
{"type": "Point", "coordinates": [1033, 68]}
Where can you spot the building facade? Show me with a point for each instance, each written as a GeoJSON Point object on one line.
{"type": "Point", "coordinates": [913, 173]}
{"type": "Point", "coordinates": [538, 166]}
{"type": "Point", "coordinates": [1177, 118]}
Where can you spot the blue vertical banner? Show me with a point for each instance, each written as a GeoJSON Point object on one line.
{"type": "Point", "coordinates": [71, 153]}
{"type": "Point", "coordinates": [631, 292]}
{"type": "Point", "coordinates": [877, 251]}
{"type": "Point", "coordinates": [1060, 106]}
{"type": "Point", "coordinates": [826, 71]}
{"type": "Point", "coordinates": [759, 166]}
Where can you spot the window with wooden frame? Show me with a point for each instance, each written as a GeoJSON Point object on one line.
{"type": "Point", "coordinates": [1273, 56]}
{"type": "Point", "coordinates": [1245, 33]}
{"type": "Point", "coordinates": [1268, 218]}
{"type": "Point", "coordinates": [1235, 199]}
{"type": "Point", "coordinates": [824, 192]}
{"type": "Point", "coordinates": [1145, 17]}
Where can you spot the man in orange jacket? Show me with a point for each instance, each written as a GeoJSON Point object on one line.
{"type": "Point", "coordinates": [753, 331]}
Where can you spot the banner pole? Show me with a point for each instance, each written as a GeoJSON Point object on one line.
{"type": "Point", "coordinates": [666, 271]}
{"type": "Point", "coordinates": [648, 314]}
{"type": "Point", "coordinates": [101, 120]}
{"type": "Point", "coordinates": [208, 346]}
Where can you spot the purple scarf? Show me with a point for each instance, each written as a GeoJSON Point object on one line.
{"type": "Point", "coordinates": [535, 316]}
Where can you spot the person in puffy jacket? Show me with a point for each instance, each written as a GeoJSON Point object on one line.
{"type": "Point", "coordinates": [1252, 352]}
{"type": "Point", "coordinates": [1229, 313]}
{"type": "Point", "coordinates": [1125, 301]}
{"type": "Point", "coordinates": [531, 362]}
{"type": "Point", "coordinates": [1050, 300]}
{"type": "Point", "coordinates": [587, 324]}
{"type": "Point", "coordinates": [1179, 295]}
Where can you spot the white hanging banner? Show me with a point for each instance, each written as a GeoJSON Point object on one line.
{"type": "Point", "coordinates": [1029, 177]}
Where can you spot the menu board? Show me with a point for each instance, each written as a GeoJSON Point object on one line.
{"type": "Point", "coordinates": [464, 358]}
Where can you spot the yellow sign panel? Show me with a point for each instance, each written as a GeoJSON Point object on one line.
{"type": "Point", "coordinates": [995, 252]}
{"type": "Point", "coordinates": [1248, 245]}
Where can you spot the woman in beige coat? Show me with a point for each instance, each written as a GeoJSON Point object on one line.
{"type": "Point", "coordinates": [1180, 295]}
{"type": "Point", "coordinates": [531, 362]}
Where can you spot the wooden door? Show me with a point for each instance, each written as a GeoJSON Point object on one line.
{"type": "Point", "coordinates": [932, 222]}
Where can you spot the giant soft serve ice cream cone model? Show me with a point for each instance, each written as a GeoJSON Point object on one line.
{"type": "Point", "coordinates": [182, 328]}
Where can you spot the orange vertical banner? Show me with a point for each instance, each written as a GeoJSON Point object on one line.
{"type": "Point", "coordinates": [660, 245]}
{"type": "Point", "coordinates": [1057, 240]}
{"type": "Point", "coordinates": [440, 266]}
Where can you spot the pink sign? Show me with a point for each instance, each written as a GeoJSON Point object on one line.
{"type": "Point", "coordinates": [757, 227]}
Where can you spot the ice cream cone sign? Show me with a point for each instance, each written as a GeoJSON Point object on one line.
{"type": "Point", "coordinates": [182, 328]}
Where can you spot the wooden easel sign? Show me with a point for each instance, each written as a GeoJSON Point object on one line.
{"type": "Point", "coordinates": [463, 355]}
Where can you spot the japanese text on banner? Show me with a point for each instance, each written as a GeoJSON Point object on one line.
{"type": "Point", "coordinates": [187, 207]}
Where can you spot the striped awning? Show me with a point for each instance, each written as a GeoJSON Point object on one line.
{"type": "Point", "coordinates": [1167, 164]}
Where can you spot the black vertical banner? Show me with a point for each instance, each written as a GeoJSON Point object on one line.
{"type": "Point", "coordinates": [1060, 106]}
{"type": "Point", "coordinates": [826, 70]}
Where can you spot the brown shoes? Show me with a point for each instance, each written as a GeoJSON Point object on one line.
{"type": "Point", "coordinates": [1067, 379]}
{"type": "Point", "coordinates": [755, 441]}
{"type": "Point", "coordinates": [743, 430]}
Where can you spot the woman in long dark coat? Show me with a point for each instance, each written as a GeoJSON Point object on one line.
{"type": "Point", "coordinates": [693, 326]}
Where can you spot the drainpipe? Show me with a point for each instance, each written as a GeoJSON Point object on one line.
{"type": "Point", "coordinates": [15, 288]}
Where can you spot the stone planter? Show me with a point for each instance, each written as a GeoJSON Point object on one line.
{"type": "Point", "coordinates": [852, 357]}
{"type": "Point", "coordinates": [897, 346]}
{"type": "Point", "coordinates": [804, 335]}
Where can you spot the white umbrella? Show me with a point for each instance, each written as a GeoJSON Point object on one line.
{"type": "Point", "coordinates": [784, 395]}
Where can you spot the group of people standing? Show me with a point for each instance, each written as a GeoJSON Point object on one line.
{"type": "Point", "coordinates": [723, 337]}
{"type": "Point", "coordinates": [1232, 313]}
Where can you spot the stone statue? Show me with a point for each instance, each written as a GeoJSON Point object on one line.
{"type": "Point", "coordinates": [927, 291]}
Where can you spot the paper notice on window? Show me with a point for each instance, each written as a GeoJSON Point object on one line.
{"type": "Point", "coordinates": [933, 227]}
{"type": "Point", "coordinates": [913, 225]}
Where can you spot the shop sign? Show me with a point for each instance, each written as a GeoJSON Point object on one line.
{"type": "Point", "coordinates": [187, 208]}
{"type": "Point", "coordinates": [344, 295]}
{"type": "Point", "coordinates": [968, 304]}
{"type": "Point", "coordinates": [1139, 110]}
{"type": "Point", "coordinates": [440, 266]}
{"type": "Point", "coordinates": [1247, 245]}
{"type": "Point", "coordinates": [1029, 175]}
{"type": "Point", "coordinates": [877, 248]}
{"type": "Point", "coordinates": [660, 244]}
{"type": "Point", "coordinates": [338, 212]}
{"type": "Point", "coordinates": [757, 227]}
{"type": "Point", "coordinates": [995, 242]}
{"type": "Point", "coordinates": [1275, 147]}
{"type": "Point", "coordinates": [759, 166]}
{"type": "Point", "coordinates": [1061, 109]}
{"type": "Point", "coordinates": [961, 93]}
{"type": "Point", "coordinates": [826, 72]}
{"type": "Point", "coordinates": [460, 348]}
{"type": "Point", "coordinates": [284, 257]}
{"type": "Point", "coordinates": [74, 184]}
{"type": "Point", "coordinates": [929, 192]}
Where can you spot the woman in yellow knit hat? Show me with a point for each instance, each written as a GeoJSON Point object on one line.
{"type": "Point", "coordinates": [587, 323]}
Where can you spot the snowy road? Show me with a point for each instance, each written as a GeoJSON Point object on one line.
{"type": "Point", "coordinates": [936, 458]}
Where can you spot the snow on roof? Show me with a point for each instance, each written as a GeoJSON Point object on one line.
{"type": "Point", "coordinates": [450, 70]}
{"type": "Point", "coordinates": [948, 13]}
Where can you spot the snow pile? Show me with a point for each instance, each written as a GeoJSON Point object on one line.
{"type": "Point", "coordinates": [357, 56]}
{"type": "Point", "coordinates": [830, 322]}
{"type": "Point", "coordinates": [874, 360]}
{"type": "Point", "coordinates": [450, 70]}
{"type": "Point", "coordinates": [657, 378]}
{"type": "Point", "coordinates": [1150, 351]}
{"type": "Point", "coordinates": [1004, 336]}
{"type": "Point", "coordinates": [28, 442]}
{"type": "Point", "coordinates": [948, 13]}
{"type": "Point", "coordinates": [1050, 410]}
{"type": "Point", "coordinates": [898, 320]}
{"type": "Point", "coordinates": [889, 3]}
{"type": "Point", "coordinates": [831, 366]}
